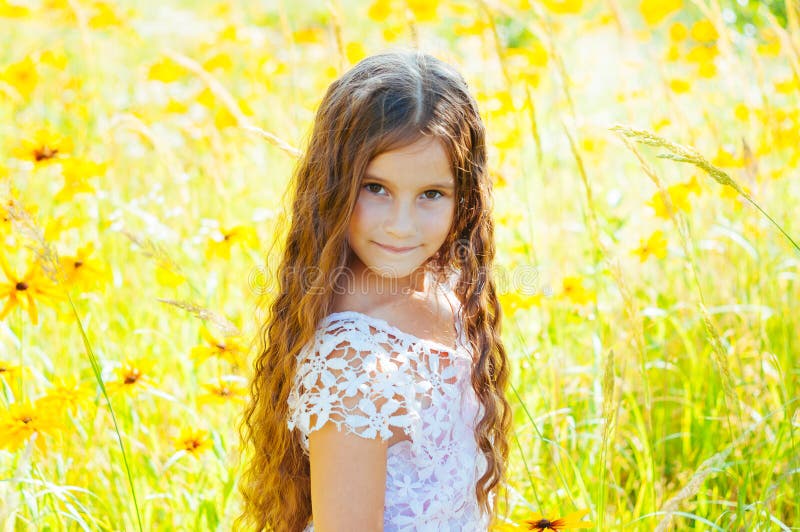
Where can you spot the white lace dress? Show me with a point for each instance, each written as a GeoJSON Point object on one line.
{"type": "Point", "coordinates": [368, 377]}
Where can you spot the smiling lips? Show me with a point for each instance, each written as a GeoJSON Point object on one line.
{"type": "Point", "coordinates": [396, 250]}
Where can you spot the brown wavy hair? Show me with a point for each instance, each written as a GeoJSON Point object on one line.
{"type": "Point", "coordinates": [386, 101]}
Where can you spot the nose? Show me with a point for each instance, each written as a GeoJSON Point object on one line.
{"type": "Point", "coordinates": [400, 222]}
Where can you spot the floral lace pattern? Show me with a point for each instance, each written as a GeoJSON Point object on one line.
{"type": "Point", "coordinates": [374, 380]}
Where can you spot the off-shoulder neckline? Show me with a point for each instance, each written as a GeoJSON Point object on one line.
{"type": "Point", "coordinates": [401, 333]}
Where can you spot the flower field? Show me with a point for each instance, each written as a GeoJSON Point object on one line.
{"type": "Point", "coordinates": [645, 157]}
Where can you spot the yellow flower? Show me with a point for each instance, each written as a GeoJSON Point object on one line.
{"type": "Point", "coordinates": [393, 32]}
{"type": "Point", "coordinates": [655, 245]}
{"type": "Point", "coordinates": [10, 10]}
{"type": "Point", "coordinates": [576, 292]}
{"type": "Point", "coordinates": [702, 54]}
{"type": "Point", "coordinates": [225, 389]}
{"type": "Point", "coordinates": [772, 44]}
{"type": "Point", "coordinates": [221, 241]}
{"type": "Point", "coordinates": [661, 124]}
{"type": "Point", "coordinates": [52, 5]}
{"type": "Point", "coordinates": [81, 271]}
{"type": "Point", "coordinates": [76, 173]}
{"type": "Point", "coordinates": [167, 274]}
{"type": "Point", "coordinates": [573, 520]}
{"type": "Point", "coordinates": [44, 146]}
{"type": "Point", "coordinates": [176, 106]}
{"type": "Point", "coordinates": [423, 10]}
{"type": "Point", "coordinates": [498, 179]}
{"type": "Point", "coordinates": [654, 11]}
{"type": "Point", "coordinates": [22, 75]}
{"type": "Point", "coordinates": [56, 58]}
{"type": "Point", "coordinates": [787, 86]}
{"type": "Point", "coordinates": [724, 157]}
{"type": "Point", "coordinates": [475, 27]}
{"type": "Point", "coordinates": [206, 98]}
{"type": "Point", "coordinates": [707, 70]}
{"type": "Point", "coordinates": [355, 52]}
{"type": "Point", "coordinates": [309, 35]}
{"type": "Point", "coordinates": [512, 301]}
{"type": "Point", "coordinates": [704, 31]}
{"type": "Point", "coordinates": [220, 60]}
{"type": "Point", "coordinates": [679, 85]}
{"type": "Point", "coordinates": [166, 70]}
{"type": "Point", "coordinates": [68, 394]}
{"type": "Point", "coordinates": [732, 194]}
{"type": "Point", "coordinates": [673, 53]}
{"type": "Point", "coordinates": [8, 370]}
{"type": "Point", "coordinates": [742, 112]}
{"type": "Point", "coordinates": [193, 441]}
{"type": "Point", "coordinates": [527, 62]}
{"type": "Point", "coordinates": [678, 32]}
{"type": "Point", "coordinates": [23, 291]}
{"type": "Point", "coordinates": [133, 376]}
{"type": "Point", "coordinates": [678, 195]}
{"type": "Point", "coordinates": [229, 33]}
{"type": "Point", "coordinates": [564, 7]}
{"type": "Point", "coordinates": [55, 226]}
{"type": "Point", "coordinates": [379, 10]}
{"type": "Point", "coordinates": [104, 16]}
{"type": "Point", "coordinates": [22, 420]}
{"type": "Point", "coordinates": [230, 348]}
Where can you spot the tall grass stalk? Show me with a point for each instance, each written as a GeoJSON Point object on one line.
{"type": "Point", "coordinates": [98, 377]}
{"type": "Point", "coordinates": [336, 22]}
{"type": "Point", "coordinates": [47, 257]}
{"type": "Point", "coordinates": [555, 54]}
{"type": "Point", "coordinates": [502, 60]}
{"type": "Point", "coordinates": [509, 81]}
{"type": "Point", "coordinates": [711, 465]}
{"type": "Point", "coordinates": [689, 155]}
{"type": "Point", "coordinates": [611, 404]}
{"type": "Point", "coordinates": [683, 154]}
{"type": "Point", "coordinates": [688, 249]}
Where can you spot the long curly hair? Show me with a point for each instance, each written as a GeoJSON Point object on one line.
{"type": "Point", "coordinates": [386, 101]}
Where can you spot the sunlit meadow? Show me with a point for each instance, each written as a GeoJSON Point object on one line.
{"type": "Point", "coordinates": [645, 160]}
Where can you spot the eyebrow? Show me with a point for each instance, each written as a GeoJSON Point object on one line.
{"type": "Point", "coordinates": [448, 186]}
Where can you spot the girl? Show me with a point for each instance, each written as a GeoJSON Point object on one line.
{"type": "Point", "coordinates": [378, 399]}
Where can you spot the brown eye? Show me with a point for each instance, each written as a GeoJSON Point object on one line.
{"type": "Point", "coordinates": [372, 185]}
{"type": "Point", "coordinates": [435, 192]}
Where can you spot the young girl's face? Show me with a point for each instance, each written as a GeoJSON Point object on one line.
{"type": "Point", "coordinates": [406, 200]}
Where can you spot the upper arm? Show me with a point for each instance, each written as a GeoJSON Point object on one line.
{"type": "Point", "coordinates": [348, 480]}
{"type": "Point", "coordinates": [348, 398]}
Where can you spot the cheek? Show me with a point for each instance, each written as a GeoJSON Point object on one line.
{"type": "Point", "coordinates": [363, 213]}
{"type": "Point", "coordinates": [437, 222]}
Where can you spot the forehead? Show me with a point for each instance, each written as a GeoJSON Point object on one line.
{"type": "Point", "coordinates": [419, 163]}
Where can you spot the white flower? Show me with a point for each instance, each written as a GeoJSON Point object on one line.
{"type": "Point", "coordinates": [378, 422]}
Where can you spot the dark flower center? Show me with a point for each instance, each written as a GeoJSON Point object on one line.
{"type": "Point", "coordinates": [22, 285]}
{"type": "Point", "coordinates": [45, 152]}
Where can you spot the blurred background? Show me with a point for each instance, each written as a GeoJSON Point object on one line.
{"type": "Point", "coordinates": [645, 162]}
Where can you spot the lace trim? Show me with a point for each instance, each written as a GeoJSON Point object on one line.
{"type": "Point", "coordinates": [401, 334]}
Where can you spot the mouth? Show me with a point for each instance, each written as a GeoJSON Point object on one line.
{"type": "Point", "coordinates": [395, 249]}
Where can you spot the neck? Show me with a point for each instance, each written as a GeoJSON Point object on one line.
{"type": "Point", "coordinates": [379, 288]}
